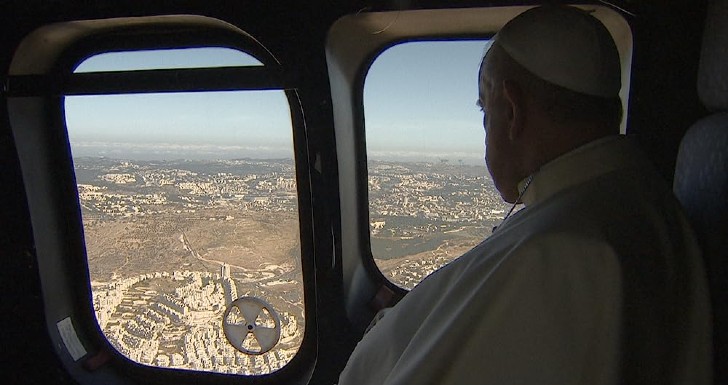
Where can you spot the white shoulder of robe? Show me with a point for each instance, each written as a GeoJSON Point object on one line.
{"type": "Point", "coordinates": [545, 312]}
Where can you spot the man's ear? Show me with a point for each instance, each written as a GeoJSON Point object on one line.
{"type": "Point", "coordinates": [514, 100]}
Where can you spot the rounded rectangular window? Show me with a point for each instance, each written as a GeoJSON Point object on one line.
{"type": "Point", "coordinates": [189, 203]}
{"type": "Point", "coordinates": [431, 198]}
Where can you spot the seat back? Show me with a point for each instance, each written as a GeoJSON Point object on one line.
{"type": "Point", "coordinates": [701, 175]}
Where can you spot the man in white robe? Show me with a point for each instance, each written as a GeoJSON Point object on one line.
{"type": "Point", "coordinates": [598, 280]}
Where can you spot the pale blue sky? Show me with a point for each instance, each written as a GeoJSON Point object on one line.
{"type": "Point", "coordinates": [419, 101]}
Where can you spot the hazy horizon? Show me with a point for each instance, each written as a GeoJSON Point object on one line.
{"type": "Point", "coordinates": [419, 104]}
{"type": "Point", "coordinates": [175, 151]}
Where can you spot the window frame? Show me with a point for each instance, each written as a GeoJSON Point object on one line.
{"type": "Point", "coordinates": [36, 111]}
{"type": "Point", "coordinates": [397, 290]}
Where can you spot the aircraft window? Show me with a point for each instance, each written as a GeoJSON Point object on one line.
{"type": "Point", "coordinates": [431, 198]}
{"type": "Point", "coordinates": [189, 203]}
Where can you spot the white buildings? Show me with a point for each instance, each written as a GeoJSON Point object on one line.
{"type": "Point", "coordinates": [182, 327]}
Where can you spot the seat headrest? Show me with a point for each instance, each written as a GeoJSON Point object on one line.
{"type": "Point", "coordinates": [713, 71]}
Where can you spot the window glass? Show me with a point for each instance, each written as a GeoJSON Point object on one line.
{"type": "Point", "coordinates": [189, 203]}
{"type": "Point", "coordinates": [203, 57]}
{"type": "Point", "coordinates": [431, 198]}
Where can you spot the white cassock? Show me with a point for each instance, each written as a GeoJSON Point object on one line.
{"type": "Point", "coordinates": [597, 281]}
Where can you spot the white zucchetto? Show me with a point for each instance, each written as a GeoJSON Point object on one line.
{"type": "Point", "coordinates": [565, 46]}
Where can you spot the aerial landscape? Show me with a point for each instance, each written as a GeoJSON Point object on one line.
{"type": "Point", "coordinates": [171, 244]}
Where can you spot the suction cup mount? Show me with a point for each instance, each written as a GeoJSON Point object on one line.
{"type": "Point", "coordinates": [251, 325]}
